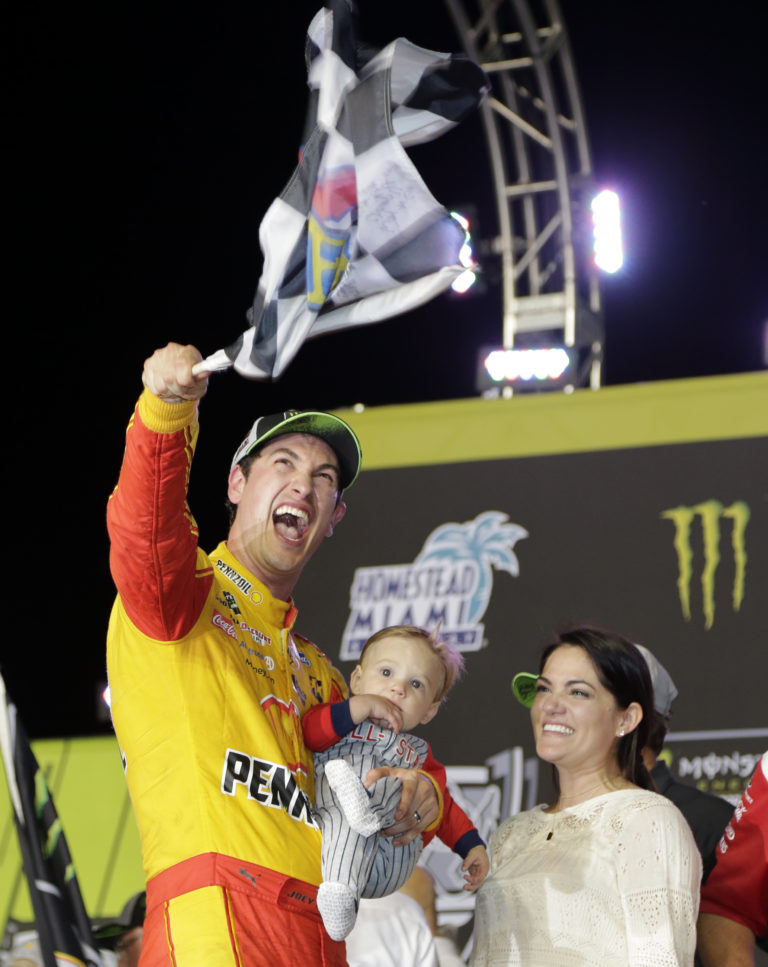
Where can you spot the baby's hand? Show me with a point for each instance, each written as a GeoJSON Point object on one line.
{"type": "Point", "coordinates": [475, 867]}
{"type": "Point", "coordinates": [376, 708]}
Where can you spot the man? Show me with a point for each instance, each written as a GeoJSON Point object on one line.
{"type": "Point", "coordinates": [707, 815]}
{"type": "Point", "coordinates": [209, 683]}
{"type": "Point", "coordinates": [733, 917]}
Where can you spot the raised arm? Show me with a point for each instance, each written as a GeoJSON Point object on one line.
{"type": "Point", "coordinates": [153, 535]}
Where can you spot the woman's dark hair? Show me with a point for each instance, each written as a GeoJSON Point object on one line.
{"type": "Point", "coordinates": [657, 733]}
{"type": "Point", "coordinates": [623, 671]}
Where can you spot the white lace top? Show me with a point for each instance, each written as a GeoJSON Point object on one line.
{"type": "Point", "coordinates": [616, 884]}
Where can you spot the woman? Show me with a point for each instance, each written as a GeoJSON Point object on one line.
{"type": "Point", "coordinates": [609, 873]}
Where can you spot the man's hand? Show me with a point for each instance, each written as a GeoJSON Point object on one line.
{"type": "Point", "coordinates": [376, 708]}
{"type": "Point", "coordinates": [419, 806]}
{"type": "Point", "coordinates": [475, 867]}
{"type": "Point", "coordinates": [168, 374]}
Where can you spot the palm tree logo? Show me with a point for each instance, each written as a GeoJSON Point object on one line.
{"type": "Point", "coordinates": [485, 543]}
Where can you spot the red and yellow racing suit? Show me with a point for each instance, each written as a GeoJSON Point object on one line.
{"type": "Point", "coordinates": [208, 688]}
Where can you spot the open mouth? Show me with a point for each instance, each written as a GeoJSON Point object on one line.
{"type": "Point", "coordinates": [290, 522]}
{"type": "Point", "coordinates": [559, 729]}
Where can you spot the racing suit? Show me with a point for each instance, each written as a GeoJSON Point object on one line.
{"type": "Point", "coordinates": [208, 688]}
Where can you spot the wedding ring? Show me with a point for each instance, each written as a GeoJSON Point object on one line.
{"type": "Point", "coordinates": [416, 816]}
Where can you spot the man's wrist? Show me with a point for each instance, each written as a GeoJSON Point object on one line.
{"type": "Point", "coordinates": [439, 792]}
{"type": "Point", "coordinates": [160, 416]}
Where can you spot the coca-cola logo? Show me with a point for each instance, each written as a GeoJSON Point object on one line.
{"type": "Point", "coordinates": [221, 622]}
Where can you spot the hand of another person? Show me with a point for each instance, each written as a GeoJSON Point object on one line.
{"type": "Point", "coordinates": [376, 708]}
{"type": "Point", "coordinates": [419, 806]}
{"type": "Point", "coordinates": [722, 942]}
{"type": "Point", "coordinates": [475, 867]}
{"type": "Point", "coordinates": [168, 374]}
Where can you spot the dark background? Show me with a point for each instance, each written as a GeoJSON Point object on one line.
{"type": "Point", "coordinates": [612, 564]}
{"type": "Point", "coordinates": [145, 142]}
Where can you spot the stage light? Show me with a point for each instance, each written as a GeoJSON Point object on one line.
{"type": "Point", "coordinates": [103, 703]}
{"type": "Point", "coordinates": [606, 221]}
{"type": "Point", "coordinates": [468, 277]}
{"type": "Point", "coordinates": [464, 282]}
{"type": "Point", "coordinates": [534, 368]}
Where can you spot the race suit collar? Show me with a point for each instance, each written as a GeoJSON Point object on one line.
{"type": "Point", "coordinates": [280, 613]}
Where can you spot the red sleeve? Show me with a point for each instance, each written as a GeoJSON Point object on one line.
{"type": "Point", "coordinates": [455, 822]}
{"type": "Point", "coordinates": [316, 724]}
{"type": "Point", "coordinates": [737, 888]}
{"type": "Point", "coordinates": [324, 724]}
{"type": "Point", "coordinates": [154, 552]}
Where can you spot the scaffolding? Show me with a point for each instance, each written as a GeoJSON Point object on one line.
{"type": "Point", "coordinates": [542, 177]}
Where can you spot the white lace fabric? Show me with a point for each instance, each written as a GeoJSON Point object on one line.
{"type": "Point", "coordinates": [617, 883]}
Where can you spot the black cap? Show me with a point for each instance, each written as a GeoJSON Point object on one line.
{"type": "Point", "coordinates": [132, 915]}
{"type": "Point", "coordinates": [336, 433]}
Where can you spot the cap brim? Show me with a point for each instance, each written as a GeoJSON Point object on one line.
{"type": "Point", "coordinates": [524, 688]}
{"type": "Point", "coordinates": [336, 433]}
{"type": "Point", "coordinates": [132, 915]}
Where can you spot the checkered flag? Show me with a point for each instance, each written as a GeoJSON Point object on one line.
{"type": "Point", "coordinates": [356, 236]}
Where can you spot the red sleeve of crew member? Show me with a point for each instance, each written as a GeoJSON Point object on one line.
{"type": "Point", "coordinates": [737, 888]}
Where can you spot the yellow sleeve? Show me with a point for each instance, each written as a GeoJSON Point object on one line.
{"type": "Point", "coordinates": [161, 417]}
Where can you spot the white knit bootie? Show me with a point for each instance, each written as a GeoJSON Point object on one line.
{"type": "Point", "coordinates": [352, 797]}
{"type": "Point", "coordinates": [338, 908]}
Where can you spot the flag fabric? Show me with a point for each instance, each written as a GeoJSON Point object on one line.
{"type": "Point", "coordinates": [356, 236]}
{"type": "Point", "coordinates": [61, 921]}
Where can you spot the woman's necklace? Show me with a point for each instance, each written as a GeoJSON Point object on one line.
{"type": "Point", "coordinates": [607, 784]}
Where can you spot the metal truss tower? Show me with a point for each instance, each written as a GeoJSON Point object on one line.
{"type": "Point", "coordinates": [542, 175]}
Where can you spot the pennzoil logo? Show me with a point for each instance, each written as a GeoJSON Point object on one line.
{"type": "Point", "coordinates": [698, 533]}
{"type": "Point", "coordinates": [241, 583]}
{"type": "Point", "coordinates": [267, 783]}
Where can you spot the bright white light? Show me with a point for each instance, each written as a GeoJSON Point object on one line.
{"type": "Point", "coordinates": [606, 219]}
{"type": "Point", "coordinates": [465, 255]}
{"type": "Point", "coordinates": [464, 281]}
{"type": "Point", "coordinates": [468, 278]}
{"type": "Point", "coordinates": [508, 365]}
{"type": "Point", "coordinates": [496, 365]}
{"type": "Point", "coordinates": [106, 696]}
{"type": "Point", "coordinates": [464, 222]}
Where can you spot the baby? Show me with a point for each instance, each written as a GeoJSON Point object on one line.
{"type": "Point", "coordinates": [403, 676]}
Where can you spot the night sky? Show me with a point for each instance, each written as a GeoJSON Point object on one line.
{"type": "Point", "coordinates": [146, 141]}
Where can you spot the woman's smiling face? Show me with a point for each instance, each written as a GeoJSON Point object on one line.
{"type": "Point", "coordinates": [576, 721]}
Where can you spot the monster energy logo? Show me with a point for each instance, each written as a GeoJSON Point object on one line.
{"type": "Point", "coordinates": [711, 513]}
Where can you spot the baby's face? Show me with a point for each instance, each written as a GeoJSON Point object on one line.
{"type": "Point", "coordinates": [407, 672]}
